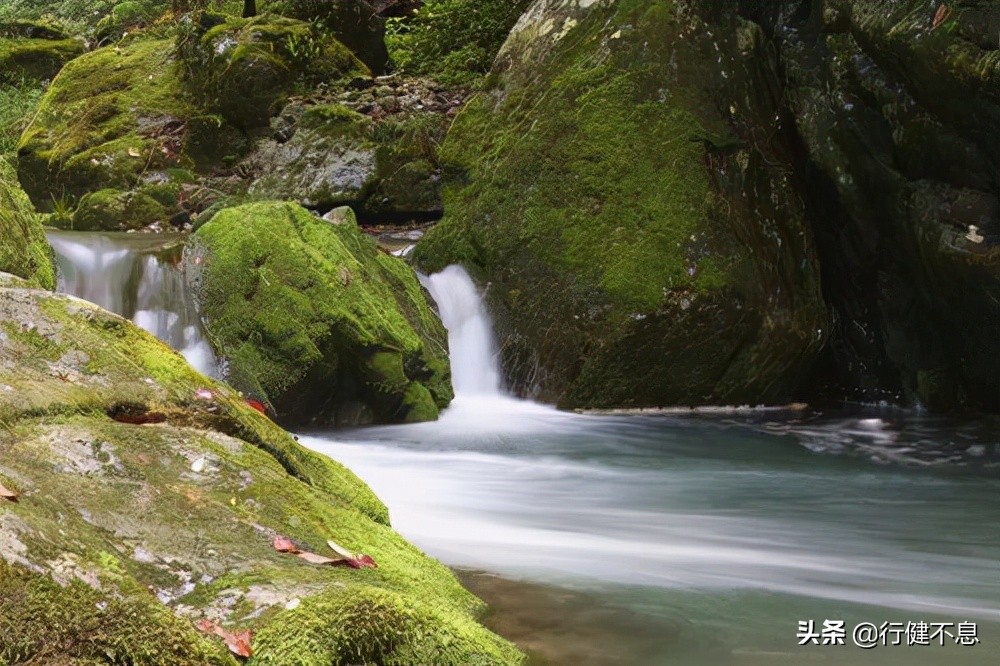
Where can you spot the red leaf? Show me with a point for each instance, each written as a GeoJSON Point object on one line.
{"type": "Point", "coordinates": [8, 494]}
{"type": "Point", "coordinates": [237, 642]}
{"type": "Point", "coordinates": [257, 404]}
{"type": "Point", "coordinates": [362, 561]}
{"type": "Point", "coordinates": [285, 545]}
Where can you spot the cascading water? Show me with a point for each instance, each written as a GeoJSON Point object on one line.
{"type": "Point", "coordinates": [482, 408]}
{"type": "Point", "coordinates": [123, 274]}
{"type": "Point", "coordinates": [474, 367]}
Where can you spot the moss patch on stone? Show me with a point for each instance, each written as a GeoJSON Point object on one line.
{"type": "Point", "coordinates": [23, 251]}
{"type": "Point", "coordinates": [245, 68]}
{"type": "Point", "coordinates": [313, 318]}
{"type": "Point", "coordinates": [38, 59]}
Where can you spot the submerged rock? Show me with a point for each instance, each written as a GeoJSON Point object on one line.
{"type": "Point", "coordinates": [619, 185]}
{"type": "Point", "coordinates": [126, 534]}
{"type": "Point", "coordinates": [311, 317]}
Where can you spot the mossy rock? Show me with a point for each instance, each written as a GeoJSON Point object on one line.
{"type": "Point", "coordinates": [150, 496]}
{"type": "Point", "coordinates": [38, 59]}
{"type": "Point", "coordinates": [899, 113]}
{"type": "Point", "coordinates": [618, 184]}
{"type": "Point", "coordinates": [112, 210]}
{"type": "Point", "coordinates": [23, 251]}
{"type": "Point", "coordinates": [353, 22]}
{"type": "Point", "coordinates": [244, 69]}
{"type": "Point", "coordinates": [109, 118]}
{"type": "Point", "coordinates": [310, 316]}
{"type": "Point", "coordinates": [329, 161]}
{"type": "Point", "coordinates": [327, 155]}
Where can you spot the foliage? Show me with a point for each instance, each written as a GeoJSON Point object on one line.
{"type": "Point", "coordinates": [454, 41]}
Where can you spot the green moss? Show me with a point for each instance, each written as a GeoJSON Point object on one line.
{"type": "Point", "coordinates": [38, 59]}
{"type": "Point", "coordinates": [43, 622]}
{"type": "Point", "coordinates": [116, 512]}
{"type": "Point", "coordinates": [112, 210]}
{"type": "Point", "coordinates": [245, 68]}
{"type": "Point", "coordinates": [372, 626]}
{"type": "Point", "coordinates": [24, 250]}
{"type": "Point", "coordinates": [104, 122]}
{"type": "Point", "coordinates": [310, 315]}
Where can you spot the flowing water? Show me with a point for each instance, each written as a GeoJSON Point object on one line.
{"type": "Point", "coordinates": [135, 276]}
{"type": "Point", "coordinates": [703, 540]}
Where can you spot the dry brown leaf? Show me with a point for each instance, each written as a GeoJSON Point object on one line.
{"type": "Point", "coordinates": [8, 494]}
{"type": "Point", "coordinates": [313, 558]}
{"type": "Point", "coordinates": [238, 642]}
{"type": "Point", "coordinates": [942, 14]}
{"type": "Point", "coordinates": [285, 545]}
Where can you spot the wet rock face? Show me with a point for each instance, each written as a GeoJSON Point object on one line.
{"type": "Point", "coordinates": [620, 186]}
{"type": "Point", "coordinates": [898, 109]}
{"type": "Point", "coordinates": [309, 316]}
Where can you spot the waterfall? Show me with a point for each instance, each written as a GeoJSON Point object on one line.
{"type": "Point", "coordinates": [474, 359]}
{"type": "Point", "coordinates": [123, 274]}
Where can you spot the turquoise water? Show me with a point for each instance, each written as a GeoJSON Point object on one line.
{"type": "Point", "coordinates": [705, 540]}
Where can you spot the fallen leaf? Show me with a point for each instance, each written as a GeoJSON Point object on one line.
{"type": "Point", "coordinates": [362, 561]}
{"type": "Point", "coordinates": [313, 558]}
{"type": "Point", "coordinates": [285, 545]}
{"type": "Point", "coordinates": [340, 550]}
{"type": "Point", "coordinates": [355, 560]}
{"type": "Point", "coordinates": [204, 394]}
{"type": "Point", "coordinates": [8, 494]}
{"type": "Point", "coordinates": [942, 14]}
{"type": "Point", "coordinates": [256, 404]}
{"type": "Point", "coordinates": [132, 152]}
{"type": "Point", "coordinates": [238, 642]}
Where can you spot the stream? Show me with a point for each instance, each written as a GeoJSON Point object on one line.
{"type": "Point", "coordinates": [703, 540]}
{"type": "Point", "coordinates": [660, 538]}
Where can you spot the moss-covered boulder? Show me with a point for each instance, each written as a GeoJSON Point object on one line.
{"type": "Point", "coordinates": [310, 316]}
{"type": "Point", "coordinates": [149, 497]}
{"type": "Point", "coordinates": [124, 116]}
{"type": "Point", "coordinates": [353, 22]}
{"type": "Point", "coordinates": [34, 51]}
{"type": "Point", "coordinates": [618, 184]}
{"type": "Point", "coordinates": [117, 211]}
{"type": "Point", "coordinates": [898, 107]}
{"type": "Point", "coordinates": [23, 249]}
{"type": "Point", "coordinates": [244, 68]}
{"type": "Point", "coordinates": [111, 119]}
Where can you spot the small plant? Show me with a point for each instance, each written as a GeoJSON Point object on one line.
{"type": "Point", "coordinates": [63, 208]}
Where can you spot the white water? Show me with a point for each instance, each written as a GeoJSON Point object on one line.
{"type": "Point", "coordinates": [122, 274]}
{"type": "Point", "coordinates": [716, 536]}
{"type": "Point", "coordinates": [475, 371]}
